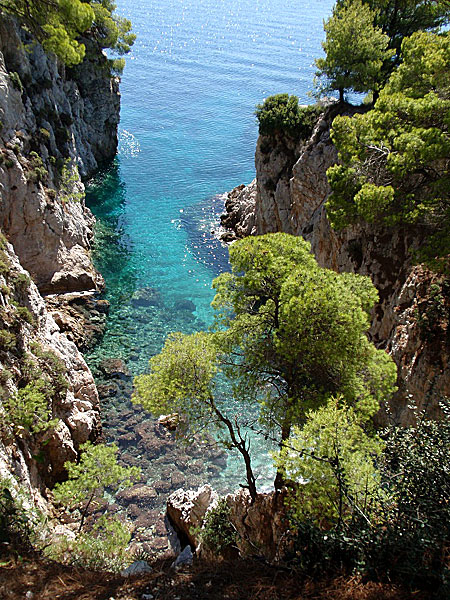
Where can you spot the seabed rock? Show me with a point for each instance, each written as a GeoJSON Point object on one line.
{"type": "Point", "coordinates": [147, 296]}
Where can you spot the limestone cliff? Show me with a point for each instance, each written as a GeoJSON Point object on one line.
{"type": "Point", "coordinates": [412, 318]}
{"type": "Point", "coordinates": [57, 126]}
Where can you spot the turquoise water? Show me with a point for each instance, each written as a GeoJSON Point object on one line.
{"type": "Point", "coordinates": [187, 135]}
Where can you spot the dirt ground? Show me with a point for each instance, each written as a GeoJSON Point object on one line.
{"type": "Point", "coordinates": [34, 579]}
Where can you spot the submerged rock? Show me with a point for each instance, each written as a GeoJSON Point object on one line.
{"type": "Point", "coordinates": [146, 296]}
{"type": "Point", "coordinates": [115, 368]}
{"type": "Point", "coordinates": [185, 305]}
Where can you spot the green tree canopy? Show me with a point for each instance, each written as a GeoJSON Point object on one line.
{"type": "Point", "coordinates": [401, 18]}
{"type": "Point", "coordinates": [333, 459]}
{"type": "Point", "coordinates": [59, 24]}
{"type": "Point", "coordinates": [96, 470]}
{"type": "Point", "coordinates": [355, 49]}
{"type": "Point", "coordinates": [288, 336]}
{"type": "Point", "coordinates": [394, 160]}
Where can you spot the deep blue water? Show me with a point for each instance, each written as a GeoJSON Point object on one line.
{"type": "Point", "coordinates": [187, 135]}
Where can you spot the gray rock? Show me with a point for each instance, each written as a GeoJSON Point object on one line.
{"type": "Point", "coordinates": [139, 567]}
{"type": "Point", "coordinates": [184, 558]}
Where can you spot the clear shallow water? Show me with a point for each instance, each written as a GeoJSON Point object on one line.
{"type": "Point", "coordinates": [187, 135]}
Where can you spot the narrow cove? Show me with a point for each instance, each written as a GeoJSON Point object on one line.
{"type": "Point", "coordinates": [187, 135]}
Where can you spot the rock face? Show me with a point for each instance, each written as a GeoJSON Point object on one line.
{"type": "Point", "coordinates": [289, 195]}
{"type": "Point", "coordinates": [31, 343]}
{"type": "Point", "coordinates": [262, 527]}
{"type": "Point", "coordinates": [56, 125]}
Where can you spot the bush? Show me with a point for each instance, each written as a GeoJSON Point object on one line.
{"type": "Point", "coordinates": [282, 113]}
{"type": "Point", "coordinates": [37, 172]}
{"type": "Point", "coordinates": [16, 81]}
{"type": "Point", "coordinates": [22, 282]}
{"type": "Point", "coordinates": [7, 339]}
{"type": "Point", "coordinates": [218, 533]}
{"type": "Point", "coordinates": [21, 522]}
{"type": "Point", "coordinates": [28, 410]}
{"type": "Point", "coordinates": [407, 538]}
{"type": "Point", "coordinates": [104, 548]}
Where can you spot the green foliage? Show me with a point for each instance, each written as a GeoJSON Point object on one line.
{"type": "Point", "coordinates": [433, 314]}
{"type": "Point", "coordinates": [103, 548]}
{"type": "Point", "coordinates": [281, 113]}
{"type": "Point", "coordinates": [28, 411]}
{"type": "Point", "coordinates": [23, 314]}
{"type": "Point", "coordinates": [288, 335]}
{"type": "Point", "coordinates": [181, 377]}
{"type": "Point", "coordinates": [5, 267]}
{"type": "Point", "coordinates": [21, 523]}
{"type": "Point", "coordinates": [44, 132]}
{"type": "Point", "coordinates": [394, 160]}
{"type": "Point", "coordinates": [401, 18]}
{"type": "Point", "coordinates": [217, 532]}
{"type": "Point", "coordinates": [7, 339]}
{"type": "Point", "coordinates": [96, 470]}
{"type": "Point", "coordinates": [37, 172]}
{"type": "Point", "coordinates": [333, 458]}
{"type": "Point", "coordinates": [16, 81]}
{"type": "Point", "coordinates": [296, 332]}
{"type": "Point", "coordinates": [59, 24]}
{"type": "Point", "coordinates": [69, 183]}
{"type": "Point", "coordinates": [404, 536]}
{"type": "Point", "coordinates": [22, 282]}
{"type": "Point", "coordinates": [355, 50]}
{"type": "Point", "coordinates": [416, 467]}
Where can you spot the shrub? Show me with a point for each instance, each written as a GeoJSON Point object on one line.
{"type": "Point", "coordinates": [282, 113]}
{"type": "Point", "coordinates": [406, 538]}
{"type": "Point", "coordinates": [37, 172]}
{"type": "Point", "coordinates": [218, 533]}
{"type": "Point", "coordinates": [7, 339]}
{"type": "Point", "coordinates": [28, 411]}
{"type": "Point", "coordinates": [21, 522]}
{"type": "Point", "coordinates": [16, 81]}
{"type": "Point", "coordinates": [97, 469]}
{"type": "Point", "coordinates": [22, 282]}
{"type": "Point", "coordinates": [103, 548]}
{"type": "Point", "coordinates": [44, 132]}
{"type": "Point", "coordinates": [4, 266]}
{"type": "Point", "coordinates": [24, 314]}
{"type": "Point", "coordinates": [433, 315]}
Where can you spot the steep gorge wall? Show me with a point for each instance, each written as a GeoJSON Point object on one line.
{"type": "Point", "coordinates": [57, 126]}
{"type": "Point", "coordinates": [289, 195]}
{"type": "Point", "coordinates": [50, 120]}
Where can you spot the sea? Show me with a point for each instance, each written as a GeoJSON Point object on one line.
{"type": "Point", "coordinates": [187, 135]}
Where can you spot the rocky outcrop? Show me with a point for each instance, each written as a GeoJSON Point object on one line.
{"type": "Point", "coordinates": [35, 352]}
{"type": "Point", "coordinates": [55, 126]}
{"type": "Point", "coordinates": [290, 194]}
{"type": "Point", "coordinates": [261, 527]}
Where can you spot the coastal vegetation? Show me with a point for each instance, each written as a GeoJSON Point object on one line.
{"type": "Point", "coordinates": [290, 340]}
{"type": "Point", "coordinates": [288, 336]}
{"type": "Point", "coordinates": [60, 26]}
{"type": "Point", "coordinates": [394, 160]}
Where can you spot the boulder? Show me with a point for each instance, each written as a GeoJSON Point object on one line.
{"type": "Point", "coordinates": [146, 296]}
{"type": "Point", "coordinates": [186, 510]}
